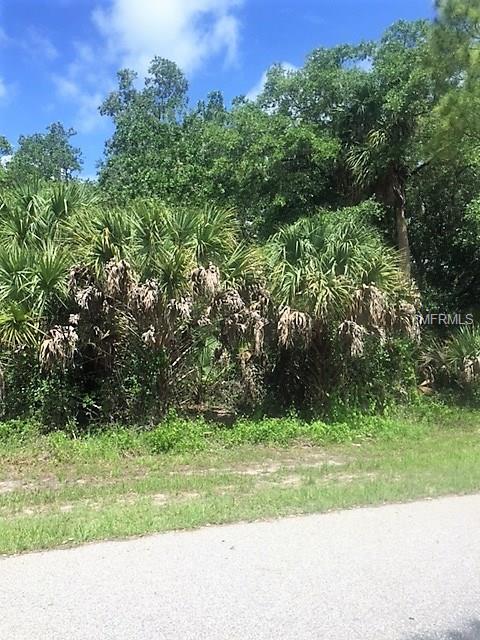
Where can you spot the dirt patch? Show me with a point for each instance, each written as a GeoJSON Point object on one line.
{"type": "Point", "coordinates": [269, 469]}
{"type": "Point", "coordinates": [161, 499]}
{"type": "Point", "coordinates": [66, 508]}
{"type": "Point", "coordinates": [9, 486]}
{"type": "Point", "coordinates": [291, 481]}
{"type": "Point", "coordinates": [305, 458]}
{"type": "Point", "coordinates": [311, 460]}
{"type": "Point", "coordinates": [285, 482]}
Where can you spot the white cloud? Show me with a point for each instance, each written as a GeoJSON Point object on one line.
{"type": "Point", "coordinates": [3, 89]}
{"type": "Point", "coordinates": [66, 88]}
{"type": "Point", "coordinates": [33, 42]}
{"type": "Point", "coordinates": [38, 45]}
{"type": "Point", "coordinates": [257, 89]}
{"type": "Point", "coordinates": [132, 33]}
{"type": "Point", "coordinates": [85, 82]}
{"type": "Point", "coordinates": [185, 31]}
{"type": "Point", "coordinates": [87, 118]}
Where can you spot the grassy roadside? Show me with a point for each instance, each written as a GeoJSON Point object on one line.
{"type": "Point", "coordinates": [58, 490]}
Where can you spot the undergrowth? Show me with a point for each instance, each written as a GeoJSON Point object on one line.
{"type": "Point", "coordinates": [180, 435]}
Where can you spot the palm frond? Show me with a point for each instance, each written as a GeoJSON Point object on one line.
{"type": "Point", "coordinates": [18, 327]}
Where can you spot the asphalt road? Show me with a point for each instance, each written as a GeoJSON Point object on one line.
{"type": "Point", "coordinates": [406, 572]}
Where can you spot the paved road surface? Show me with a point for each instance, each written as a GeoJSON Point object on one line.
{"type": "Point", "coordinates": [406, 572]}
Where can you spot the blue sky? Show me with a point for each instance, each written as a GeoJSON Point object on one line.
{"type": "Point", "coordinates": [58, 58]}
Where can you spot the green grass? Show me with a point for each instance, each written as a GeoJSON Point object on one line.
{"type": "Point", "coordinates": [62, 489]}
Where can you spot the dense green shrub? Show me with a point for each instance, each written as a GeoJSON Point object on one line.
{"type": "Point", "coordinates": [114, 315]}
{"type": "Point", "coordinates": [385, 374]}
{"type": "Point", "coordinates": [177, 435]}
{"type": "Point", "coordinates": [451, 363]}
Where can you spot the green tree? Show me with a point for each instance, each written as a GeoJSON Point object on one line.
{"type": "Point", "coordinates": [455, 63]}
{"type": "Point", "coordinates": [271, 169]}
{"type": "Point", "coordinates": [5, 151]}
{"type": "Point", "coordinates": [141, 158]}
{"type": "Point", "coordinates": [373, 98]}
{"type": "Point", "coordinates": [48, 156]}
{"type": "Point", "coordinates": [445, 234]}
{"type": "Point", "coordinates": [5, 147]}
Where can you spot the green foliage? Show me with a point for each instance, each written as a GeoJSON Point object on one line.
{"type": "Point", "coordinates": [146, 121]}
{"type": "Point", "coordinates": [455, 59]}
{"type": "Point", "coordinates": [49, 156]}
{"type": "Point", "coordinates": [177, 436]}
{"type": "Point", "coordinates": [452, 363]}
{"type": "Point", "coordinates": [318, 263]}
{"type": "Point", "coordinates": [5, 147]}
{"type": "Point", "coordinates": [444, 232]}
{"type": "Point", "coordinates": [18, 432]}
{"type": "Point", "coordinates": [255, 256]}
{"type": "Point", "coordinates": [385, 375]}
{"type": "Point", "coordinates": [124, 312]}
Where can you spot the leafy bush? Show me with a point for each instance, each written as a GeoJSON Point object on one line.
{"type": "Point", "coordinates": [18, 431]}
{"type": "Point", "coordinates": [178, 435]}
{"type": "Point", "coordinates": [453, 362]}
{"type": "Point", "coordinates": [112, 315]}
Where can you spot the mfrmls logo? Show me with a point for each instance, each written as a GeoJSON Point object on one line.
{"type": "Point", "coordinates": [446, 319]}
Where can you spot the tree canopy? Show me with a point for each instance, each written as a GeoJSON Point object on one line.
{"type": "Point", "coordinates": [49, 156]}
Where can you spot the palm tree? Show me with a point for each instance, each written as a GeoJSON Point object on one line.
{"type": "Point", "coordinates": [331, 269]}
{"type": "Point", "coordinates": [34, 256]}
{"type": "Point", "coordinates": [377, 165]}
{"type": "Point", "coordinates": [385, 151]}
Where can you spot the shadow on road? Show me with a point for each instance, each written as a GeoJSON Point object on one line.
{"type": "Point", "coordinates": [471, 631]}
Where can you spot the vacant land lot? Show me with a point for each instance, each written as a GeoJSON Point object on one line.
{"type": "Point", "coordinates": [60, 490]}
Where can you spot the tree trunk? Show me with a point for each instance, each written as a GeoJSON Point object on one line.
{"type": "Point", "coordinates": [391, 191]}
{"type": "Point", "coordinates": [401, 228]}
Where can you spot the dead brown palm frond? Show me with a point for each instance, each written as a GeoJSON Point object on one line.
{"type": "Point", "coordinates": [258, 326]}
{"type": "Point", "coordinates": [251, 374]}
{"type": "Point", "coordinates": [257, 298]}
{"type": "Point", "coordinates": [205, 319]}
{"type": "Point", "coordinates": [294, 328]}
{"type": "Point", "coordinates": [470, 370]}
{"type": "Point", "coordinates": [118, 279]}
{"type": "Point", "coordinates": [89, 299]}
{"type": "Point", "coordinates": [233, 329]}
{"type": "Point", "coordinates": [145, 297]}
{"type": "Point", "coordinates": [352, 336]}
{"type": "Point", "coordinates": [229, 302]}
{"type": "Point", "coordinates": [179, 311]}
{"type": "Point", "coordinates": [59, 345]}
{"type": "Point", "coordinates": [2, 385]}
{"type": "Point", "coordinates": [370, 308]}
{"type": "Point", "coordinates": [82, 285]}
{"type": "Point", "coordinates": [206, 281]}
{"type": "Point", "coordinates": [405, 318]}
{"type": "Point", "coordinates": [242, 319]}
{"type": "Point", "coordinates": [150, 337]}
{"type": "Point", "coordinates": [80, 276]}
